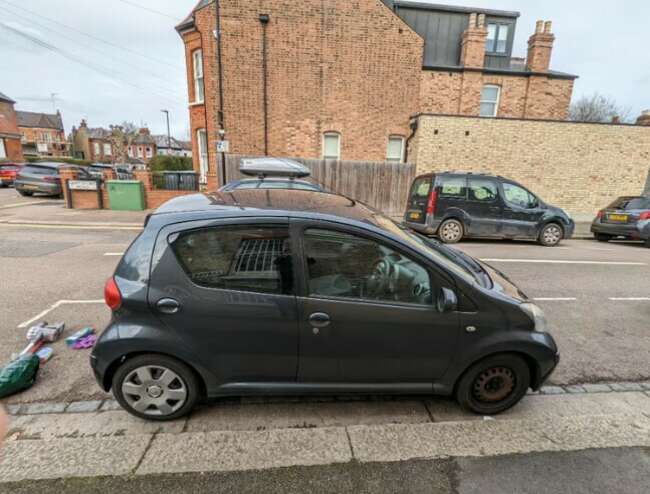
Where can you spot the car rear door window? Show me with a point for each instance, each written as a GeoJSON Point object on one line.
{"type": "Point", "coordinates": [349, 266]}
{"type": "Point", "coordinates": [241, 258]}
{"type": "Point", "coordinates": [518, 196]}
{"type": "Point", "coordinates": [39, 170]}
{"type": "Point", "coordinates": [453, 187]}
{"type": "Point", "coordinates": [482, 190]}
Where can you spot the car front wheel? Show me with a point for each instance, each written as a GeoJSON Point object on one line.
{"type": "Point", "coordinates": [451, 231]}
{"type": "Point", "coordinates": [156, 387]}
{"type": "Point", "coordinates": [494, 384]}
{"type": "Point", "coordinates": [551, 235]}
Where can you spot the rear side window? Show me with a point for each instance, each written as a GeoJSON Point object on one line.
{"type": "Point", "coordinates": [40, 170]}
{"type": "Point", "coordinates": [421, 188]}
{"type": "Point", "coordinates": [630, 203]}
{"type": "Point", "coordinates": [482, 190]}
{"type": "Point", "coordinates": [246, 258]}
{"type": "Point", "coordinates": [453, 187]}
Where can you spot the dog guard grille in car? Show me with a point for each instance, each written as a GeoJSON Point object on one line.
{"type": "Point", "coordinates": [257, 255]}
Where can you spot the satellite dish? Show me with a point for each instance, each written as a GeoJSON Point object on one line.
{"type": "Point", "coordinates": [273, 167]}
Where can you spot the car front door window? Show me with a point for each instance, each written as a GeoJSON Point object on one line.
{"type": "Point", "coordinates": [348, 266]}
{"type": "Point", "coordinates": [519, 196]}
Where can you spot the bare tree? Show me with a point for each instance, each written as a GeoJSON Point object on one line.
{"type": "Point", "coordinates": [598, 108]}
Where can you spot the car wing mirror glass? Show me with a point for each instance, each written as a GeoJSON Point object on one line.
{"type": "Point", "coordinates": [447, 300]}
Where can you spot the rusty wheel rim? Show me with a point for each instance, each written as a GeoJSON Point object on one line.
{"type": "Point", "coordinates": [494, 384]}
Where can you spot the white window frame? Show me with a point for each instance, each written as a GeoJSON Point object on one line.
{"type": "Point", "coordinates": [204, 164]}
{"type": "Point", "coordinates": [97, 150]}
{"type": "Point", "coordinates": [140, 152]}
{"type": "Point", "coordinates": [498, 28]}
{"type": "Point", "coordinates": [402, 149]}
{"type": "Point", "coordinates": [496, 102]}
{"type": "Point", "coordinates": [148, 152]}
{"type": "Point", "coordinates": [199, 81]}
{"type": "Point", "coordinates": [3, 149]}
{"type": "Point", "coordinates": [108, 151]}
{"type": "Point", "coordinates": [338, 150]}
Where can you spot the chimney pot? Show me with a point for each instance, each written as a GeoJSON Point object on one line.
{"type": "Point", "coordinates": [539, 27]}
{"type": "Point", "coordinates": [548, 27]}
{"type": "Point", "coordinates": [472, 20]}
{"type": "Point", "coordinates": [481, 20]}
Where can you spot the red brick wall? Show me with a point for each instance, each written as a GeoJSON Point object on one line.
{"type": "Point", "coordinates": [9, 125]}
{"type": "Point", "coordinates": [13, 149]}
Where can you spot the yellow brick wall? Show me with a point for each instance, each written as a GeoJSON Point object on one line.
{"type": "Point", "coordinates": [577, 166]}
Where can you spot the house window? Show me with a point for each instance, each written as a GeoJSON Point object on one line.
{"type": "Point", "coordinates": [96, 148]}
{"type": "Point", "coordinates": [395, 151]}
{"type": "Point", "coordinates": [331, 146]}
{"type": "Point", "coordinates": [107, 149]}
{"type": "Point", "coordinates": [202, 141]}
{"type": "Point", "coordinates": [130, 151]}
{"type": "Point", "coordinates": [3, 151]}
{"type": "Point", "coordinates": [497, 38]}
{"type": "Point", "coordinates": [149, 153]}
{"type": "Point", "coordinates": [199, 88]}
{"type": "Point", "coordinates": [140, 153]}
{"type": "Point", "coordinates": [490, 101]}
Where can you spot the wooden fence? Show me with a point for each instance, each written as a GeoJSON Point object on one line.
{"type": "Point", "coordinates": [383, 186]}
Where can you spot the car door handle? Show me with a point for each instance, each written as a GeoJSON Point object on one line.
{"type": "Point", "coordinates": [319, 320]}
{"type": "Point", "coordinates": [168, 306]}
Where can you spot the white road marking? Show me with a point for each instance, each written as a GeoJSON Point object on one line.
{"type": "Point", "coordinates": [558, 261]}
{"type": "Point", "coordinates": [70, 227]}
{"type": "Point", "coordinates": [555, 299]}
{"type": "Point", "coordinates": [114, 254]}
{"type": "Point", "coordinates": [19, 204]}
{"type": "Point", "coordinates": [630, 299]}
{"type": "Point", "coordinates": [54, 306]}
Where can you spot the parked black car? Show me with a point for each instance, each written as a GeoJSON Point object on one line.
{"type": "Point", "coordinates": [298, 292]}
{"type": "Point", "coordinates": [43, 178]}
{"type": "Point", "coordinates": [627, 217]}
{"type": "Point", "coordinates": [456, 205]}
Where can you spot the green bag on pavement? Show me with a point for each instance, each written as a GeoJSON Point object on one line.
{"type": "Point", "coordinates": [19, 375]}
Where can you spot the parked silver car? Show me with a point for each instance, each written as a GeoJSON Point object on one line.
{"type": "Point", "coordinates": [43, 178]}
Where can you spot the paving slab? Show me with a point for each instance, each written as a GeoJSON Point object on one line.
{"type": "Point", "coordinates": [305, 415]}
{"type": "Point", "coordinates": [74, 425]}
{"type": "Point", "coordinates": [91, 457]}
{"type": "Point", "coordinates": [238, 451]}
{"type": "Point", "coordinates": [493, 437]}
{"type": "Point", "coordinates": [549, 406]}
{"type": "Point", "coordinates": [41, 408]}
{"type": "Point", "coordinates": [597, 388]}
{"type": "Point", "coordinates": [83, 406]}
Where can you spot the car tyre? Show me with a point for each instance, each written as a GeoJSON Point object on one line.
{"type": "Point", "coordinates": [647, 243]}
{"type": "Point", "coordinates": [602, 237]}
{"type": "Point", "coordinates": [551, 235]}
{"type": "Point", "coordinates": [25, 193]}
{"type": "Point", "coordinates": [156, 387]}
{"type": "Point", "coordinates": [494, 384]}
{"type": "Point", "coordinates": [451, 231]}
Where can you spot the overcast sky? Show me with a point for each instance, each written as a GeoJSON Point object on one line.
{"type": "Point", "coordinates": [132, 64]}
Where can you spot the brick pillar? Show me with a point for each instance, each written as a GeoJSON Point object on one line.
{"type": "Point", "coordinates": [67, 174]}
{"type": "Point", "coordinates": [109, 174]}
{"type": "Point", "coordinates": [213, 182]}
{"type": "Point", "coordinates": [472, 53]}
{"type": "Point", "coordinates": [540, 47]}
{"type": "Point", "coordinates": [146, 178]}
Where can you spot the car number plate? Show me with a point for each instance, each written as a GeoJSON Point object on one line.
{"type": "Point", "coordinates": [31, 187]}
{"type": "Point", "coordinates": [619, 218]}
{"type": "Point", "coordinates": [415, 215]}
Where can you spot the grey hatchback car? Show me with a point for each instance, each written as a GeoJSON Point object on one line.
{"type": "Point", "coordinates": [266, 292]}
{"type": "Point", "coordinates": [627, 217]}
{"type": "Point", "coordinates": [43, 178]}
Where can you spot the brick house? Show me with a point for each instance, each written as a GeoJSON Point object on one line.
{"type": "Point", "coordinates": [341, 79]}
{"type": "Point", "coordinates": [172, 147]}
{"type": "Point", "coordinates": [10, 145]}
{"type": "Point", "coordinates": [143, 147]}
{"type": "Point", "coordinates": [42, 134]}
{"type": "Point", "coordinates": [102, 145]}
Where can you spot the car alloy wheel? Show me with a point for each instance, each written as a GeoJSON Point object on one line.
{"type": "Point", "coordinates": [551, 235]}
{"type": "Point", "coordinates": [154, 390]}
{"type": "Point", "coordinates": [451, 231]}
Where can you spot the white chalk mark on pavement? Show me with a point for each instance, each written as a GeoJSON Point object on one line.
{"type": "Point", "coordinates": [558, 261]}
{"type": "Point", "coordinates": [555, 299]}
{"type": "Point", "coordinates": [54, 306]}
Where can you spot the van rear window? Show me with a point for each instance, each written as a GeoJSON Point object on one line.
{"type": "Point", "coordinates": [421, 188]}
{"type": "Point", "coordinates": [453, 187]}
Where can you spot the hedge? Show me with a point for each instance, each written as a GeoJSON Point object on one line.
{"type": "Point", "coordinates": [162, 163]}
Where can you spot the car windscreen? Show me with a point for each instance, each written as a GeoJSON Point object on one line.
{"type": "Point", "coordinates": [455, 261]}
{"type": "Point", "coordinates": [630, 203]}
{"type": "Point", "coordinates": [39, 170]}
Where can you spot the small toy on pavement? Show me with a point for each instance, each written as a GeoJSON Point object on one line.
{"type": "Point", "coordinates": [71, 340]}
{"type": "Point", "coordinates": [45, 354]}
{"type": "Point", "coordinates": [85, 342]}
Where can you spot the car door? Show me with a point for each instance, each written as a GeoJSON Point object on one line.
{"type": "Point", "coordinates": [484, 207]}
{"type": "Point", "coordinates": [226, 289]}
{"type": "Point", "coordinates": [416, 209]}
{"type": "Point", "coordinates": [522, 212]}
{"type": "Point", "coordinates": [366, 311]}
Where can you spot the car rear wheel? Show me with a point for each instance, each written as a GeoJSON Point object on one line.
{"type": "Point", "coordinates": [647, 243]}
{"type": "Point", "coordinates": [451, 231]}
{"type": "Point", "coordinates": [551, 235]}
{"type": "Point", "coordinates": [156, 387]}
{"type": "Point", "coordinates": [602, 237]}
{"type": "Point", "coordinates": [25, 193]}
{"type": "Point", "coordinates": [494, 384]}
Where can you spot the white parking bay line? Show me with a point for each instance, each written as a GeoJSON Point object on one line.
{"type": "Point", "coordinates": [114, 254]}
{"type": "Point", "coordinates": [54, 306]}
{"type": "Point", "coordinates": [558, 261]}
{"type": "Point", "coordinates": [630, 299]}
{"type": "Point", "coordinates": [555, 299]}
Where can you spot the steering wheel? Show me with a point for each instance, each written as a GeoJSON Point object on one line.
{"type": "Point", "coordinates": [383, 278]}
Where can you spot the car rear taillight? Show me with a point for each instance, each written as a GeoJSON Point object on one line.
{"type": "Point", "coordinates": [645, 215]}
{"type": "Point", "coordinates": [600, 214]}
{"type": "Point", "coordinates": [112, 295]}
{"type": "Point", "coordinates": [431, 204]}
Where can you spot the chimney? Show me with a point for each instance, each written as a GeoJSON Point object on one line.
{"type": "Point", "coordinates": [472, 53]}
{"type": "Point", "coordinates": [540, 47]}
{"type": "Point", "coordinates": [84, 124]}
{"type": "Point", "coordinates": [144, 131]}
{"type": "Point", "coordinates": [644, 119]}
{"type": "Point", "coordinates": [616, 119]}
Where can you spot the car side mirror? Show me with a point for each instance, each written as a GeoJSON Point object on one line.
{"type": "Point", "coordinates": [447, 300]}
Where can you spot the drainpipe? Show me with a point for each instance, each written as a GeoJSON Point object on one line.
{"type": "Point", "coordinates": [414, 128]}
{"type": "Point", "coordinates": [264, 19]}
{"type": "Point", "coordinates": [220, 112]}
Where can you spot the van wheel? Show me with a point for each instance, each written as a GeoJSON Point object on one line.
{"type": "Point", "coordinates": [451, 231]}
{"type": "Point", "coordinates": [551, 235]}
{"type": "Point", "coordinates": [155, 387]}
{"type": "Point", "coordinates": [494, 384]}
{"type": "Point", "coordinates": [602, 237]}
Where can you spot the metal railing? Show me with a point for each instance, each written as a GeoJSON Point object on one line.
{"type": "Point", "coordinates": [176, 181]}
